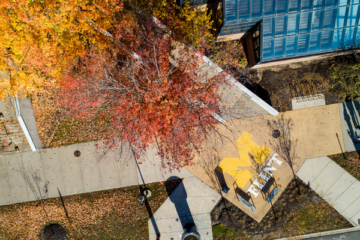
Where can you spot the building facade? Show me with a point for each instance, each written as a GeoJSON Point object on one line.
{"type": "Point", "coordinates": [278, 30]}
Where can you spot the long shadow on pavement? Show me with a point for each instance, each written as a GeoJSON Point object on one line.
{"type": "Point", "coordinates": [179, 198]}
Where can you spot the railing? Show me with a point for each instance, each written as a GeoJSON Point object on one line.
{"type": "Point", "coordinates": [23, 125]}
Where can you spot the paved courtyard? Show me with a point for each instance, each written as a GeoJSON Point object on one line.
{"type": "Point", "coordinates": [305, 133]}
{"type": "Point", "coordinates": [247, 157]}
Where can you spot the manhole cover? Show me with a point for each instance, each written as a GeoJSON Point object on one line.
{"type": "Point", "coordinates": [54, 231]}
{"type": "Point", "coordinates": [77, 153]}
{"type": "Point", "coordinates": [276, 133]}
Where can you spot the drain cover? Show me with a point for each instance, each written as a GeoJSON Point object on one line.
{"type": "Point", "coordinates": [77, 153]}
{"type": "Point", "coordinates": [276, 133]}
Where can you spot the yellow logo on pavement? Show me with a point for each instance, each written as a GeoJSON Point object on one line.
{"type": "Point", "coordinates": [231, 165]}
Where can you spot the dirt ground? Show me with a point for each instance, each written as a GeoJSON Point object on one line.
{"type": "Point", "coordinates": [291, 215]}
{"type": "Point", "coordinates": [109, 214]}
{"type": "Point", "coordinates": [284, 82]}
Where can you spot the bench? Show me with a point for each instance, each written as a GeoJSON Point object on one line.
{"type": "Point", "coordinates": [245, 199]}
{"type": "Point", "coordinates": [267, 185]}
{"type": "Point", "coordinates": [243, 194]}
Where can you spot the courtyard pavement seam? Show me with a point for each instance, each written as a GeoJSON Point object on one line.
{"type": "Point", "coordinates": [344, 192]}
{"type": "Point", "coordinates": [335, 182]}
{"type": "Point", "coordinates": [319, 172]}
{"type": "Point", "coordinates": [350, 205]}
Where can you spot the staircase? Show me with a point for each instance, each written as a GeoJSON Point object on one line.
{"type": "Point", "coordinates": [12, 137]}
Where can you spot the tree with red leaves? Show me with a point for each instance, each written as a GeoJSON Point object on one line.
{"type": "Point", "coordinates": [150, 99]}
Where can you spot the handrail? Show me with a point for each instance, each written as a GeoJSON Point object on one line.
{"type": "Point", "coordinates": [23, 125]}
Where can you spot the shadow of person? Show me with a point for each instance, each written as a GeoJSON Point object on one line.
{"type": "Point", "coordinates": [179, 198]}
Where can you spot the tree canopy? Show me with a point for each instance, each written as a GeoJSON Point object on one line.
{"type": "Point", "coordinates": [148, 99]}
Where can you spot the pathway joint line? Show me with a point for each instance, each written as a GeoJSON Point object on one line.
{"type": "Point", "coordinates": [354, 215]}
{"type": "Point", "coordinates": [350, 205]}
{"type": "Point", "coordinates": [320, 172]}
{"type": "Point", "coordinates": [344, 191]}
{"type": "Point", "coordinates": [335, 182]}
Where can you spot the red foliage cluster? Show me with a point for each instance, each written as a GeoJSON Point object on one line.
{"type": "Point", "coordinates": [147, 99]}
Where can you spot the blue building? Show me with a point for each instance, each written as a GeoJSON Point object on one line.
{"type": "Point", "coordinates": [273, 30]}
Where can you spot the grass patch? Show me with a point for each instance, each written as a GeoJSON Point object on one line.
{"type": "Point", "coordinates": [224, 232]}
{"type": "Point", "coordinates": [349, 161]}
{"type": "Point", "coordinates": [110, 214]}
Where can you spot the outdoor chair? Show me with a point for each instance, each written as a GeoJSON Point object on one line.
{"type": "Point", "coordinates": [244, 198]}
{"type": "Point", "coordinates": [266, 190]}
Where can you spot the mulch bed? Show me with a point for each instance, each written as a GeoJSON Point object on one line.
{"type": "Point", "coordinates": [291, 215]}
{"type": "Point", "coordinates": [307, 78]}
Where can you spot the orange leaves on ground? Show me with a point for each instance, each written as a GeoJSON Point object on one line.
{"type": "Point", "coordinates": [87, 212]}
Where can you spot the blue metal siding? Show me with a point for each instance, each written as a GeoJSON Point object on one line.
{"type": "Point", "coordinates": [318, 4]}
{"type": "Point", "coordinates": [291, 43]}
{"type": "Point", "coordinates": [353, 15]}
{"type": "Point", "coordinates": [279, 47]}
{"type": "Point", "coordinates": [280, 25]}
{"type": "Point", "coordinates": [305, 21]}
{"type": "Point", "coordinates": [317, 20]}
{"type": "Point", "coordinates": [256, 8]}
{"type": "Point", "coordinates": [244, 9]}
{"type": "Point", "coordinates": [314, 44]}
{"type": "Point", "coordinates": [329, 18]}
{"type": "Point", "coordinates": [293, 28]}
{"type": "Point", "coordinates": [269, 7]}
{"type": "Point", "coordinates": [293, 24]}
{"type": "Point", "coordinates": [282, 6]}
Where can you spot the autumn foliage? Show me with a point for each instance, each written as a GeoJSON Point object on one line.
{"type": "Point", "coordinates": [114, 63]}
{"type": "Point", "coordinates": [148, 99]}
{"type": "Point", "coordinates": [40, 37]}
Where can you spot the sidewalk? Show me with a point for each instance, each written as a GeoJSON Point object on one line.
{"type": "Point", "coordinates": [31, 176]}
{"type": "Point", "coordinates": [348, 233]}
{"type": "Point", "coordinates": [191, 202]}
{"type": "Point", "coordinates": [335, 185]}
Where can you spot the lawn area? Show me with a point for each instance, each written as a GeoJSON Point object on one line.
{"type": "Point", "coordinates": [111, 214]}
{"type": "Point", "coordinates": [349, 161]}
{"type": "Point", "coordinates": [291, 215]}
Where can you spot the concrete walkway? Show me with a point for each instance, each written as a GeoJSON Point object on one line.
{"type": "Point", "coordinates": [191, 202]}
{"type": "Point", "coordinates": [30, 176]}
{"type": "Point", "coordinates": [341, 234]}
{"type": "Point", "coordinates": [335, 185]}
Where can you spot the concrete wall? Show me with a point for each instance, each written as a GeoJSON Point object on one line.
{"type": "Point", "coordinates": [289, 61]}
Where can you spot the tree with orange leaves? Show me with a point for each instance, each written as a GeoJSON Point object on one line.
{"type": "Point", "coordinates": [147, 99]}
{"type": "Point", "coordinates": [40, 37]}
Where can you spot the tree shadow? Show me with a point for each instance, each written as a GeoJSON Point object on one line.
{"type": "Point", "coordinates": [283, 144]}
